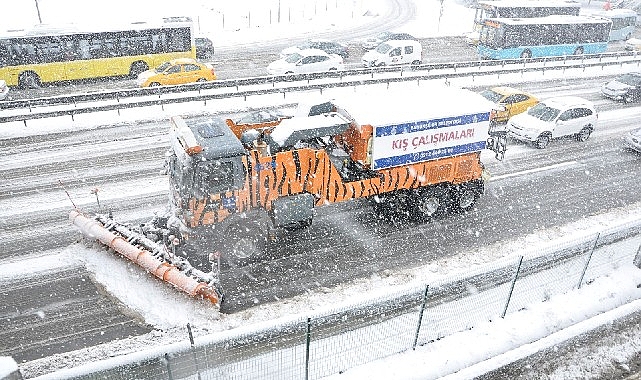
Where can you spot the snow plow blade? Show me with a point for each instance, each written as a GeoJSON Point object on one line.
{"type": "Point", "coordinates": [166, 271]}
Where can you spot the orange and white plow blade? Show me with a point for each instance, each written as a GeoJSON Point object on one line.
{"type": "Point", "coordinates": [164, 271]}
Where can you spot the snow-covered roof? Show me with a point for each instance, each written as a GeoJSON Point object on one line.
{"type": "Point", "coordinates": [383, 107]}
{"type": "Point", "coordinates": [290, 131]}
{"type": "Point", "coordinates": [553, 19]}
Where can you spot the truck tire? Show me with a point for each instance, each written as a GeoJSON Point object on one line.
{"type": "Point", "coordinates": [245, 243]}
{"type": "Point", "coordinates": [465, 197]}
{"type": "Point", "coordinates": [429, 203]}
{"type": "Point", "coordinates": [392, 206]}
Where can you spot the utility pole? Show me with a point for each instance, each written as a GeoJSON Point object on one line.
{"type": "Point", "coordinates": [38, 10]}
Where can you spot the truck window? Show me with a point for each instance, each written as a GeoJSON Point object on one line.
{"type": "Point", "coordinates": [219, 176]}
{"type": "Point", "coordinates": [216, 177]}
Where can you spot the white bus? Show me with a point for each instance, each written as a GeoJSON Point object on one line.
{"type": "Point", "coordinates": [623, 22]}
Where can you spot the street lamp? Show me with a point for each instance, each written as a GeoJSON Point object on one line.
{"type": "Point", "coordinates": [38, 10]}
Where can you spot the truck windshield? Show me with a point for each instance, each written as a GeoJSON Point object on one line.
{"type": "Point", "coordinates": [218, 176]}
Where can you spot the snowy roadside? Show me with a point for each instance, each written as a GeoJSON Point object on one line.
{"type": "Point", "coordinates": [581, 308]}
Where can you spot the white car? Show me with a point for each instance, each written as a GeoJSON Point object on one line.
{"type": "Point", "coordinates": [329, 47]}
{"type": "Point", "coordinates": [306, 61]}
{"type": "Point", "coordinates": [633, 44]}
{"type": "Point", "coordinates": [552, 118]}
{"type": "Point", "coordinates": [4, 90]}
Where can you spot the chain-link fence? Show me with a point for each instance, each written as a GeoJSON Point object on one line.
{"type": "Point", "coordinates": [328, 343]}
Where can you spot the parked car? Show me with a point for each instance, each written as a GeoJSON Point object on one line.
{"type": "Point", "coordinates": [204, 48]}
{"type": "Point", "coordinates": [625, 87]}
{"type": "Point", "coordinates": [4, 90]}
{"type": "Point", "coordinates": [306, 61]}
{"type": "Point", "coordinates": [177, 71]}
{"type": "Point", "coordinates": [552, 118]}
{"type": "Point", "coordinates": [329, 47]}
{"type": "Point", "coordinates": [632, 140]}
{"type": "Point", "coordinates": [508, 102]}
{"type": "Point", "coordinates": [373, 42]}
{"type": "Point", "coordinates": [394, 52]}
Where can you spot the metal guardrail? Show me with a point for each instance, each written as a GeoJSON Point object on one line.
{"type": "Point", "coordinates": [331, 341]}
{"type": "Point", "coordinates": [86, 103]}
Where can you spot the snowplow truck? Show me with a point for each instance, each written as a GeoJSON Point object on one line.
{"type": "Point", "coordinates": [233, 187]}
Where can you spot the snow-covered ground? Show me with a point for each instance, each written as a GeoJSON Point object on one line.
{"type": "Point", "coordinates": [463, 355]}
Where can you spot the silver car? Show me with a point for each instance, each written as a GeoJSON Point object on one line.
{"type": "Point", "coordinates": [632, 140]}
{"type": "Point", "coordinates": [625, 87]}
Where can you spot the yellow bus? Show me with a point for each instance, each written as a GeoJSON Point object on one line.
{"type": "Point", "coordinates": [29, 58]}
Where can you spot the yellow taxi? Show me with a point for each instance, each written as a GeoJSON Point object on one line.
{"type": "Point", "coordinates": [177, 71]}
{"type": "Point", "coordinates": [508, 101]}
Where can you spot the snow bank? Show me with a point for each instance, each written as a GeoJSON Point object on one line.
{"type": "Point", "coordinates": [7, 366]}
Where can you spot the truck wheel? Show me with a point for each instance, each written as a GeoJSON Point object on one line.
{"type": "Point", "coordinates": [429, 203]}
{"type": "Point", "coordinates": [245, 243]}
{"type": "Point", "coordinates": [465, 197]}
{"type": "Point", "coordinates": [392, 207]}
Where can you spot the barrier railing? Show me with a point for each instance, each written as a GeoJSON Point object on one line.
{"type": "Point", "coordinates": [87, 103]}
{"type": "Point", "coordinates": [329, 342]}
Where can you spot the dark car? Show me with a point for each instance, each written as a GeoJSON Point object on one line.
{"type": "Point", "coordinates": [329, 47]}
{"type": "Point", "coordinates": [204, 48]}
{"type": "Point", "coordinates": [626, 87]}
{"type": "Point", "coordinates": [373, 42]}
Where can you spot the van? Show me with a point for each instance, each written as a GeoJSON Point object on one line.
{"type": "Point", "coordinates": [394, 52]}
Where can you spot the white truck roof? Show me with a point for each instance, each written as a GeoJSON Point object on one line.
{"type": "Point", "coordinates": [378, 107]}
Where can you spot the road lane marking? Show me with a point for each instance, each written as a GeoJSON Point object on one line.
{"type": "Point", "coordinates": [530, 171]}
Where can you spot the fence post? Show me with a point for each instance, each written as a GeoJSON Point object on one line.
{"type": "Point", "coordinates": [585, 269]}
{"type": "Point", "coordinates": [509, 296]}
{"type": "Point", "coordinates": [168, 367]}
{"type": "Point", "coordinates": [637, 258]}
{"type": "Point", "coordinates": [308, 338]}
{"type": "Point", "coordinates": [420, 317]}
{"type": "Point", "coordinates": [193, 351]}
